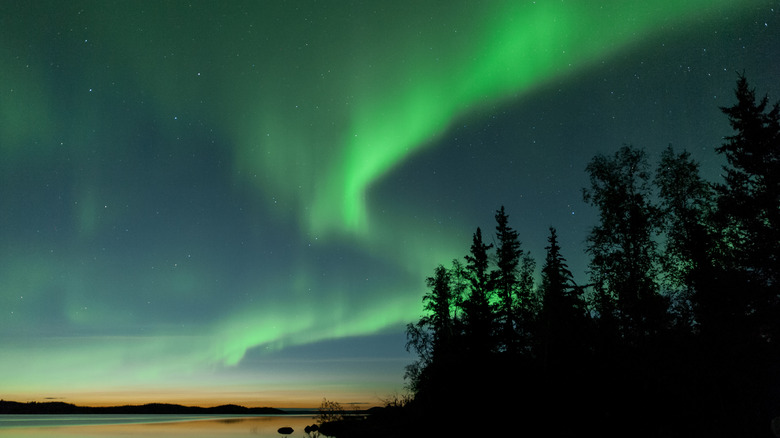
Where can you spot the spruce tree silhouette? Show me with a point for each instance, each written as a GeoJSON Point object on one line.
{"type": "Point", "coordinates": [508, 255]}
{"type": "Point", "coordinates": [562, 317]}
{"type": "Point", "coordinates": [748, 212]}
{"type": "Point", "coordinates": [477, 317]}
{"type": "Point", "coordinates": [677, 340]}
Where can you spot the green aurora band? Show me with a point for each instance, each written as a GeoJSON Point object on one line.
{"type": "Point", "coordinates": [402, 103]}
{"type": "Point", "coordinates": [405, 99]}
{"type": "Point", "coordinates": [319, 110]}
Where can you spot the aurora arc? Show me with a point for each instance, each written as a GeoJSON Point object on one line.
{"type": "Point", "coordinates": [509, 48]}
{"type": "Point", "coordinates": [519, 45]}
{"type": "Point", "coordinates": [316, 112]}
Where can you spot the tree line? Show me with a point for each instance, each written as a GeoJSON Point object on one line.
{"type": "Point", "coordinates": [673, 333]}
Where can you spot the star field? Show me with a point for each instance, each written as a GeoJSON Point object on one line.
{"type": "Point", "coordinates": [240, 202]}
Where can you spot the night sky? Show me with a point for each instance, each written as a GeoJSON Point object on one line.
{"type": "Point", "coordinates": [206, 202]}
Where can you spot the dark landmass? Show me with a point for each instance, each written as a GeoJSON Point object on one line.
{"type": "Point", "coordinates": [413, 420]}
{"type": "Point", "coordinates": [675, 336]}
{"type": "Point", "coordinates": [61, 408]}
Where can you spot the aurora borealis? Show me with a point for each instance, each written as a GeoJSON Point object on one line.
{"type": "Point", "coordinates": [240, 201]}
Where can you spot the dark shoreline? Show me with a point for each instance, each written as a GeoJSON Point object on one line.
{"type": "Point", "coordinates": [61, 408]}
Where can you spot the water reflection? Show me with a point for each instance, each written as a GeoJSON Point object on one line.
{"type": "Point", "coordinates": [265, 427]}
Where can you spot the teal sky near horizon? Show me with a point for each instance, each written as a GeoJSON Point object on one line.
{"type": "Point", "coordinates": [240, 201]}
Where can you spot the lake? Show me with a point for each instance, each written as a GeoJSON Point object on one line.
{"type": "Point", "coordinates": [150, 426]}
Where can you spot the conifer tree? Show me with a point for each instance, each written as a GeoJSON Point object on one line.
{"type": "Point", "coordinates": [432, 336]}
{"type": "Point", "coordinates": [748, 207]}
{"type": "Point", "coordinates": [561, 307]}
{"type": "Point", "coordinates": [507, 283]}
{"type": "Point", "coordinates": [477, 316]}
{"type": "Point", "coordinates": [438, 304]}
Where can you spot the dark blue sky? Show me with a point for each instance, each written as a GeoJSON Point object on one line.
{"type": "Point", "coordinates": [240, 202]}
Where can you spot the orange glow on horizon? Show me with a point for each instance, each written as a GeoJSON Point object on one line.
{"type": "Point", "coordinates": [279, 400]}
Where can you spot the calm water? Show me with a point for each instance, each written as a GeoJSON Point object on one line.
{"type": "Point", "coordinates": [150, 426]}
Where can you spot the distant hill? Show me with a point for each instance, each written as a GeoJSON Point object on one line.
{"type": "Point", "coordinates": [16, 408]}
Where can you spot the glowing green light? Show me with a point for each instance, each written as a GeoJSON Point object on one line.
{"type": "Point", "coordinates": [412, 96]}
{"type": "Point", "coordinates": [313, 114]}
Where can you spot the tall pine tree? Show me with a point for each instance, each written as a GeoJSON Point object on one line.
{"type": "Point", "coordinates": [477, 315]}
{"type": "Point", "coordinates": [514, 286]}
{"type": "Point", "coordinates": [748, 212]}
{"type": "Point", "coordinates": [432, 336]}
{"type": "Point", "coordinates": [563, 313]}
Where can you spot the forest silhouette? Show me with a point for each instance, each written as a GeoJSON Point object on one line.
{"type": "Point", "coordinates": [674, 333]}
